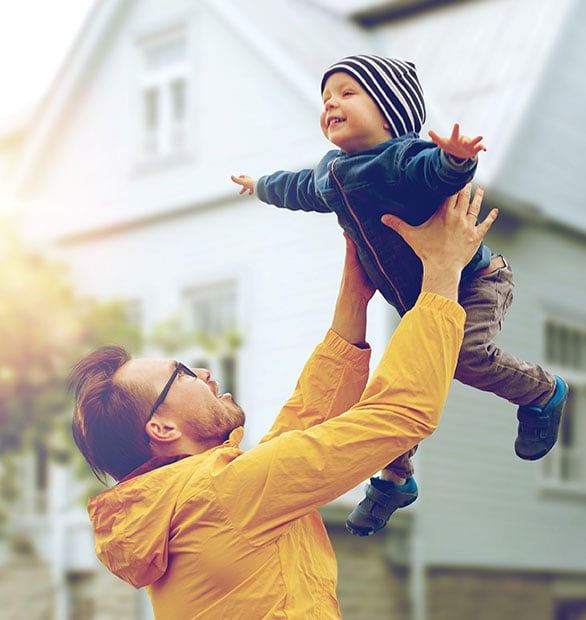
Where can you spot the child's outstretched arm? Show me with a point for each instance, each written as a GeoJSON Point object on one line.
{"type": "Point", "coordinates": [458, 146]}
{"type": "Point", "coordinates": [246, 182]}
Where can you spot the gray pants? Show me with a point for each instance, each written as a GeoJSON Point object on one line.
{"type": "Point", "coordinates": [486, 299]}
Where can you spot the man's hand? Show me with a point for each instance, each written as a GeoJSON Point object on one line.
{"type": "Point", "coordinates": [447, 241]}
{"type": "Point", "coordinates": [246, 182]}
{"type": "Point", "coordinates": [458, 146]}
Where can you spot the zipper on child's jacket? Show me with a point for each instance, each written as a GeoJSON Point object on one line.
{"type": "Point", "coordinates": [364, 237]}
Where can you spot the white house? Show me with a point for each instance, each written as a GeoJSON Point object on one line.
{"type": "Point", "coordinates": [125, 172]}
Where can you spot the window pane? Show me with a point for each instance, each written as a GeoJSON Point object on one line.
{"type": "Point", "coordinates": [164, 89]}
{"type": "Point", "coordinates": [81, 602]}
{"type": "Point", "coordinates": [571, 610]}
{"type": "Point", "coordinates": [565, 347]}
{"type": "Point", "coordinates": [228, 371]}
{"type": "Point", "coordinates": [178, 100]}
{"type": "Point", "coordinates": [134, 313]}
{"type": "Point", "coordinates": [165, 52]}
{"type": "Point", "coordinates": [211, 314]}
{"type": "Point", "coordinates": [150, 112]}
{"type": "Point", "coordinates": [151, 108]}
{"type": "Point", "coordinates": [211, 309]}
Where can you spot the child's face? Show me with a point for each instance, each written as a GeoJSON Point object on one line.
{"type": "Point", "coordinates": [351, 119]}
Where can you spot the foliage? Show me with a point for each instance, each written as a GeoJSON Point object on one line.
{"type": "Point", "coordinates": [45, 327]}
{"type": "Point", "coordinates": [171, 336]}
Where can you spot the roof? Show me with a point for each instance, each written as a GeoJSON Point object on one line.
{"type": "Point", "coordinates": [512, 72]}
{"type": "Point", "coordinates": [274, 26]}
{"type": "Point", "coordinates": [482, 63]}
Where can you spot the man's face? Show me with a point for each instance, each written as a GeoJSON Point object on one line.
{"type": "Point", "coordinates": [195, 403]}
{"type": "Point", "coordinates": [351, 119]}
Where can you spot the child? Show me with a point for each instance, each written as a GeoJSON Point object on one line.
{"type": "Point", "coordinates": [373, 111]}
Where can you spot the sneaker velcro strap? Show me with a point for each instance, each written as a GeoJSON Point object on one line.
{"type": "Point", "coordinates": [532, 417]}
{"type": "Point", "coordinates": [529, 432]}
{"type": "Point", "coordinates": [379, 497]}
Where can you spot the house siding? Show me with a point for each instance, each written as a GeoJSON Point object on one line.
{"type": "Point", "coordinates": [491, 541]}
{"type": "Point", "coordinates": [479, 503]}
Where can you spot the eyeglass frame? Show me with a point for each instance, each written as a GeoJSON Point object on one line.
{"type": "Point", "coordinates": [180, 367]}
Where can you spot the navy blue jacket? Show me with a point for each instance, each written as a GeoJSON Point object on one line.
{"type": "Point", "coordinates": [406, 176]}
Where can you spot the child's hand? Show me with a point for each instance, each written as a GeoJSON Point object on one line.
{"type": "Point", "coordinates": [458, 146]}
{"type": "Point", "coordinates": [246, 182]}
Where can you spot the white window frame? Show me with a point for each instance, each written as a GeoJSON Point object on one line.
{"type": "Point", "coordinates": [564, 468]}
{"type": "Point", "coordinates": [214, 358]}
{"type": "Point", "coordinates": [169, 137]}
{"type": "Point", "coordinates": [135, 313]}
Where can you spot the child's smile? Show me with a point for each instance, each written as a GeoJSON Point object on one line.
{"type": "Point", "coordinates": [351, 119]}
{"type": "Point", "coordinates": [335, 119]}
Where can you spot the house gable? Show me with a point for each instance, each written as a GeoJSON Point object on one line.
{"type": "Point", "coordinates": [247, 95]}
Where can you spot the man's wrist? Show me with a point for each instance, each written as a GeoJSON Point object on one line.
{"type": "Point", "coordinates": [443, 281]}
{"type": "Point", "coordinates": [349, 320]}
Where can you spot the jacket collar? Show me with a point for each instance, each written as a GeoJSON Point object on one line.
{"type": "Point", "coordinates": [160, 461]}
{"type": "Point", "coordinates": [154, 463]}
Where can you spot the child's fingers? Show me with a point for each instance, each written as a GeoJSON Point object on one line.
{"type": "Point", "coordinates": [436, 139]}
{"type": "Point", "coordinates": [475, 143]}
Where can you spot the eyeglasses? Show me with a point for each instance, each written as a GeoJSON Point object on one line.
{"type": "Point", "coordinates": [178, 369]}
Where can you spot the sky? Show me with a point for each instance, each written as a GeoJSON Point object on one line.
{"type": "Point", "coordinates": [35, 36]}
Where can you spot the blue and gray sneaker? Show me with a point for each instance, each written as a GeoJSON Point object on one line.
{"type": "Point", "coordinates": [538, 428]}
{"type": "Point", "coordinates": [382, 499]}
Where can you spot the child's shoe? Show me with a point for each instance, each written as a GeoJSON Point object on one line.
{"type": "Point", "coordinates": [538, 428]}
{"type": "Point", "coordinates": [383, 497]}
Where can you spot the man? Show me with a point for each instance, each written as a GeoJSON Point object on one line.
{"type": "Point", "coordinates": [215, 532]}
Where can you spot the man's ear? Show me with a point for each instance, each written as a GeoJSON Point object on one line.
{"type": "Point", "coordinates": [160, 430]}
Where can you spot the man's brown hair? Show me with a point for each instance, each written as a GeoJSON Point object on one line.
{"type": "Point", "coordinates": [109, 418]}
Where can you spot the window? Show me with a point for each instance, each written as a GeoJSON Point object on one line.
{"type": "Point", "coordinates": [31, 474]}
{"type": "Point", "coordinates": [41, 476]}
{"type": "Point", "coordinates": [163, 95]}
{"type": "Point", "coordinates": [571, 610]}
{"type": "Point", "coordinates": [211, 317]}
{"type": "Point", "coordinates": [80, 596]}
{"type": "Point", "coordinates": [134, 313]}
{"type": "Point", "coordinates": [566, 353]}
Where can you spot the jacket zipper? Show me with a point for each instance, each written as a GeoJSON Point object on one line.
{"type": "Point", "coordinates": [364, 237]}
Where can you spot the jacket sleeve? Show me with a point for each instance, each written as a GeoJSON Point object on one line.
{"type": "Point", "coordinates": [332, 380]}
{"type": "Point", "coordinates": [295, 191]}
{"type": "Point", "coordinates": [298, 471]}
{"type": "Point", "coordinates": [423, 165]}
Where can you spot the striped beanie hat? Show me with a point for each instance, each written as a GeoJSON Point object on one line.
{"type": "Point", "coordinates": [392, 84]}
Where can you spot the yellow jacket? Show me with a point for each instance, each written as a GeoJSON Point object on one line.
{"type": "Point", "coordinates": [236, 535]}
